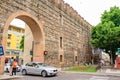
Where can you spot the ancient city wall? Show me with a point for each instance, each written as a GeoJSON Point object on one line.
{"type": "Point", "coordinates": [61, 21]}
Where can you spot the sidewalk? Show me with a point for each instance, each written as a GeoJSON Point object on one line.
{"type": "Point", "coordinates": [103, 72]}
{"type": "Point", "coordinates": [7, 77]}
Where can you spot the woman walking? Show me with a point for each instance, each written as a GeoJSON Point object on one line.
{"type": "Point", "coordinates": [14, 66]}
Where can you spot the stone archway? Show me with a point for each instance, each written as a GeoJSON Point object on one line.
{"type": "Point", "coordinates": [37, 31]}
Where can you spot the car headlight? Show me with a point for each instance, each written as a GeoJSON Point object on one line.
{"type": "Point", "coordinates": [52, 70]}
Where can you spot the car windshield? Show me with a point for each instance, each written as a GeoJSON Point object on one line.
{"type": "Point", "coordinates": [43, 64]}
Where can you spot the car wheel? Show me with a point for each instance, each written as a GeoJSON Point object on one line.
{"type": "Point", "coordinates": [18, 70]}
{"type": "Point", "coordinates": [44, 73]}
{"type": "Point", "coordinates": [24, 72]}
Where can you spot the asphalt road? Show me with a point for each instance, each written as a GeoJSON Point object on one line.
{"type": "Point", "coordinates": [67, 76]}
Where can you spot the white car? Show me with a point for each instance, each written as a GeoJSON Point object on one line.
{"type": "Point", "coordinates": [39, 69]}
{"type": "Point", "coordinates": [7, 68]}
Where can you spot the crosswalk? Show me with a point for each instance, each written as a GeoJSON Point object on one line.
{"type": "Point", "coordinates": [99, 78]}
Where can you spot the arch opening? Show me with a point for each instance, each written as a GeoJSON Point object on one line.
{"type": "Point", "coordinates": [37, 32]}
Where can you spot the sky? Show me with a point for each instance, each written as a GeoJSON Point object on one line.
{"type": "Point", "coordinates": [18, 23]}
{"type": "Point", "coordinates": [90, 10]}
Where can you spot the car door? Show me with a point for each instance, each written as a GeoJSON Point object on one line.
{"type": "Point", "coordinates": [36, 68]}
{"type": "Point", "coordinates": [29, 68]}
{"type": "Point", "coordinates": [39, 68]}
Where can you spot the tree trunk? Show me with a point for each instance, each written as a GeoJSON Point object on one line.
{"type": "Point", "coordinates": [112, 57]}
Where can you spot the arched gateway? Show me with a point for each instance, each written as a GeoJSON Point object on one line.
{"type": "Point", "coordinates": [37, 31]}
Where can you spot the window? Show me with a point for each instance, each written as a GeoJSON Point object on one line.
{"type": "Point", "coordinates": [34, 65]}
{"type": "Point", "coordinates": [9, 28]}
{"type": "Point", "coordinates": [18, 38]}
{"type": "Point", "coordinates": [61, 58]}
{"type": "Point", "coordinates": [61, 42]}
{"type": "Point", "coordinates": [17, 45]}
{"type": "Point", "coordinates": [76, 59]}
{"type": "Point", "coordinates": [9, 36]}
{"type": "Point", "coordinates": [8, 44]}
{"type": "Point", "coordinates": [17, 30]}
{"type": "Point", "coordinates": [29, 64]}
{"type": "Point", "coordinates": [8, 52]}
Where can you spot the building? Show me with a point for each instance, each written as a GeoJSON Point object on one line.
{"type": "Point", "coordinates": [13, 42]}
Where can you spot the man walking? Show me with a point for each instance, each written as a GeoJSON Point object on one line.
{"type": "Point", "coordinates": [11, 60]}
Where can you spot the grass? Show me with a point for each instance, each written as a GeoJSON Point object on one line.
{"type": "Point", "coordinates": [82, 69]}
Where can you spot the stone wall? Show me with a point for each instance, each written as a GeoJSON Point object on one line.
{"type": "Point", "coordinates": [28, 44]}
{"type": "Point", "coordinates": [61, 21]}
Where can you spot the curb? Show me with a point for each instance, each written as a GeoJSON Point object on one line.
{"type": "Point", "coordinates": [7, 77]}
{"type": "Point", "coordinates": [94, 73]}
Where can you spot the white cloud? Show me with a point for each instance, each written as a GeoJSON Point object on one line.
{"type": "Point", "coordinates": [91, 10]}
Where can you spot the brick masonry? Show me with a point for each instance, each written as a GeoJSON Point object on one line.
{"type": "Point", "coordinates": [60, 20]}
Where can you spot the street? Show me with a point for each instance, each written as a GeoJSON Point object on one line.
{"type": "Point", "coordinates": [68, 76]}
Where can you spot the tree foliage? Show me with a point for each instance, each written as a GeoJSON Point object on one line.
{"type": "Point", "coordinates": [22, 43]}
{"type": "Point", "coordinates": [106, 34]}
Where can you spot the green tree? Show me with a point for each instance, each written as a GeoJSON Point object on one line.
{"type": "Point", "coordinates": [106, 35]}
{"type": "Point", "coordinates": [22, 43]}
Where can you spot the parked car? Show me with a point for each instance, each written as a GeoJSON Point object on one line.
{"type": "Point", "coordinates": [39, 69]}
{"type": "Point", "coordinates": [7, 68]}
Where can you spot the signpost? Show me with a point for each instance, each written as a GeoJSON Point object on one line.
{"type": "Point", "coordinates": [118, 51]}
{"type": "Point", "coordinates": [1, 51]}
{"type": "Point", "coordinates": [1, 60]}
{"type": "Point", "coordinates": [117, 61]}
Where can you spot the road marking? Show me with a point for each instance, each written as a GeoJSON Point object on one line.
{"type": "Point", "coordinates": [98, 78]}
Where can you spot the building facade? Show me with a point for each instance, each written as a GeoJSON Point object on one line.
{"type": "Point", "coordinates": [60, 35]}
{"type": "Point", "coordinates": [13, 42]}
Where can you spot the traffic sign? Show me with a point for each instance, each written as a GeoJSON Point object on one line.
{"type": "Point", "coordinates": [118, 51]}
{"type": "Point", "coordinates": [1, 51]}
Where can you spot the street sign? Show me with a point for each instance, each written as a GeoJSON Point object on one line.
{"type": "Point", "coordinates": [118, 51]}
{"type": "Point", "coordinates": [1, 51]}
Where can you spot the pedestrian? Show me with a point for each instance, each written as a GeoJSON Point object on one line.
{"type": "Point", "coordinates": [14, 66]}
{"type": "Point", "coordinates": [10, 61]}
{"type": "Point", "coordinates": [101, 64]}
{"type": "Point", "coordinates": [6, 60]}
{"type": "Point", "coordinates": [22, 62]}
